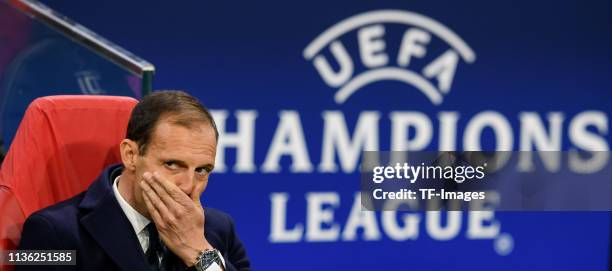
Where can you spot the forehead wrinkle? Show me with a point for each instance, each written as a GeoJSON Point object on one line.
{"type": "Point", "coordinates": [183, 143]}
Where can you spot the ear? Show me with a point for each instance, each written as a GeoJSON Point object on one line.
{"type": "Point", "coordinates": [129, 154]}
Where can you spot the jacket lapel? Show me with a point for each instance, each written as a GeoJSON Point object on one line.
{"type": "Point", "coordinates": [109, 226]}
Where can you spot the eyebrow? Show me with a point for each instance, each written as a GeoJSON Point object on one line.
{"type": "Point", "coordinates": [183, 164]}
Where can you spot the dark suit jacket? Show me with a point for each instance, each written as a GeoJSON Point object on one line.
{"type": "Point", "coordinates": [93, 224]}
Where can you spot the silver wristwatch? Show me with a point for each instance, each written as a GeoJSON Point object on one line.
{"type": "Point", "coordinates": [206, 258]}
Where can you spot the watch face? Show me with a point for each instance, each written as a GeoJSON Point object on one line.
{"type": "Point", "coordinates": [210, 255]}
{"type": "Point", "coordinates": [207, 258]}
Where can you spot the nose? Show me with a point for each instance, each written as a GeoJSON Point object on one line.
{"type": "Point", "coordinates": [186, 182]}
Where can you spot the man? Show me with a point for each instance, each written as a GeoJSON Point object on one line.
{"type": "Point", "coordinates": [146, 214]}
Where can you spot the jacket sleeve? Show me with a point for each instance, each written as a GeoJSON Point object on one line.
{"type": "Point", "coordinates": [39, 234]}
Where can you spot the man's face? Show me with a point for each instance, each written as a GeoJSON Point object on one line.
{"type": "Point", "coordinates": [184, 156]}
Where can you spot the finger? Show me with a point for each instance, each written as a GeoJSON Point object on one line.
{"type": "Point", "coordinates": [168, 186]}
{"type": "Point", "coordinates": [166, 198]}
{"type": "Point", "coordinates": [197, 191]}
{"type": "Point", "coordinates": [155, 200]}
{"type": "Point", "coordinates": [178, 196]}
{"type": "Point", "coordinates": [157, 218]}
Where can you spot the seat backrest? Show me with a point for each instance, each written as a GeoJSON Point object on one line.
{"type": "Point", "coordinates": [61, 146]}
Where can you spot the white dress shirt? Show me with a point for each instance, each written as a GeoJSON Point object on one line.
{"type": "Point", "coordinates": [139, 223]}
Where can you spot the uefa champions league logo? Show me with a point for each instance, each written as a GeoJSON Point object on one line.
{"type": "Point", "coordinates": [434, 80]}
{"type": "Point", "coordinates": [337, 68]}
{"type": "Point", "coordinates": [351, 55]}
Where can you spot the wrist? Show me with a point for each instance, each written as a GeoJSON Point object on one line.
{"type": "Point", "coordinates": [191, 253]}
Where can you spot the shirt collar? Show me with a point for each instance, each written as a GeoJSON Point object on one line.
{"type": "Point", "coordinates": [138, 221]}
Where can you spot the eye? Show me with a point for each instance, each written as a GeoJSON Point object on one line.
{"type": "Point", "coordinates": [170, 165]}
{"type": "Point", "coordinates": [203, 170]}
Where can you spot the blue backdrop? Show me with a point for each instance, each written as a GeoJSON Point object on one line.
{"type": "Point", "coordinates": [249, 56]}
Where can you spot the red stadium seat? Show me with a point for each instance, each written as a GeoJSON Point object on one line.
{"type": "Point", "coordinates": [62, 144]}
